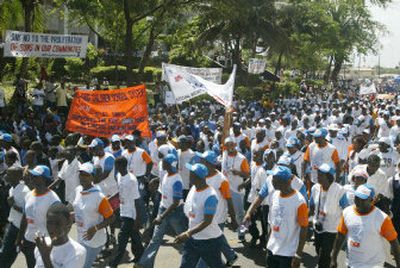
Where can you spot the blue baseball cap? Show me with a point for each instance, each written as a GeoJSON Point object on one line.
{"type": "Point", "coordinates": [6, 137]}
{"type": "Point", "coordinates": [292, 142]}
{"type": "Point", "coordinates": [281, 172]}
{"type": "Point", "coordinates": [327, 169]}
{"type": "Point", "coordinates": [365, 191]}
{"type": "Point", "coordinates": [42, 171]}
{"type": "Point", "coordinates": [200, 170]}
{"type": "Point", "coordinates": [96, 142]}
{"type": "Point", "coordinates": [87, 168]}
{"type": "Point", "coordinates": [210, 156]}
{"type": "Point", "coordinates": [320, 133]}
{"type": "Point", "coordinates": [171, 159]}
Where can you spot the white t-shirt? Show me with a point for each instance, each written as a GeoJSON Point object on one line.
{"type": "Point", "coordinates": [137, 161]}
{"type": "Point", "coordinates": [69, 173]}
{"type": "Point", "coordinates": [69, 255]}
{"type": "Point", "coordinates": [389, 161]}
{"type": "Point", "coordinates": [38, 97]}
{"type": "Point", "coordinates": [184, 157]}
{"type": "Point", "coordinates": [109, 184]}
{"type": "Point", "coordinates": [221, 187]}
{"type": "Point", "coordinates": [199, 203]}
{"type": "Point", "coordinates": [36, 207]}
{"type": "Point", "coordinates": [287, 215]}
{"type": "Point", "coordinates": [366, 236]}
{"type": "Point", "coordinates": [128, 192]}
{"type": "Point", "coordinates": [19, 193]}
{"type": "Point", "coordinates": [384, 129]}
{"type": "Point", "coordinates": [91, 207]}
{"type": "Point", "coordinates": [171, 189]}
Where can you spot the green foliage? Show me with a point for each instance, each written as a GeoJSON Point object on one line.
{"type": "Point", "coordinates": [74, 68]}
{"type": "Point", "coordinates": [112, 74]}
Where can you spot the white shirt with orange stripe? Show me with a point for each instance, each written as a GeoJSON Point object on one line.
{"type": "Point", "coordinates": [366, 234]}
{"type": "Point", "coordinates": [137, 161]}
{"type": "Point", "coordinates": [91, 207]}
{"type": "Point", "coordinates": [288, 214]}
{"type": "Point", "coordinates": [36, 206]}
{"type": "Point", "coordinates": [221, 186]}
{"type": "Point", "coordinates": [234, 162]}
{"type": "Point", "coordinates": [317, 156]}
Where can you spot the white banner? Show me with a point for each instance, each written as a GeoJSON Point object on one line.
{"type": "Point", "coordinates": [209, 74]}
{"type": "Point", "coordinates": [256, 66]}
{"type": "Point", "coordinates": [366, 89]}
{"type": "Point", "coordinates": [169, 98]}
{"type": "Point", "coordinates": [186, 86]}
{"type": "Point", "coordinates": [24, 44]}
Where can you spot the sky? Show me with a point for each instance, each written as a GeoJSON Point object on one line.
{"type": "Point", "coordinates": [390, 52]}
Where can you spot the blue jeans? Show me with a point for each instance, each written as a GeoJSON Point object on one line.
{"type": "Point", "coordinates": [91, 255]}
{"type": "Point", "coordinates": [226, 249]}
{"type": "Point", "coordinates": [238, 205]}
{"type": "Point", "coordinates": [176, 220]}
{"type": "Point", "coordinates": [142, 204]}
{"type": "Point", "coordinates": [8, 251]}
{"type": "Point", "coordinates": [209, 250]}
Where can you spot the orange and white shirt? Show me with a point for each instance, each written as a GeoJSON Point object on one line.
{"type": "Point", "coordinates": [109, 185]}
{"type": "Point", "coordinates": [137, 161]}
{"type": "Point", "coordinates": [317, 156]}
{"type": "Point", "coordinates": [221, 186]}
{"type": "Point", "coordinates": [36, 206]}
{"type": "Point", "coordinates": [238, 162]}
{"type": "Point", "coordinates": [91, 207]}
{"type": "Point", "coordinates": [288, 214]}
{"type": "Point", "coordinates": [366, 234]}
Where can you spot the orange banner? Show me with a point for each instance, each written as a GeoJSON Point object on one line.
{"type": "Point", "coordinates": [103, 113]}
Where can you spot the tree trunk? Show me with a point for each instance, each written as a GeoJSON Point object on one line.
{"type": "Point", "coordinates": [236, 55]}
{"type": "Point", "coordinates": [128, 44]}
{"type": "Point", "coordinates": [336, 69]}
{"type": "Point", "coordinates": [278, 64]}
{"type": "Point", "coordinates": [29, 8]}
{"type": "Point", "coordinates": [328, 70]}
{"type": "Point", "coordinates": [147, 51]}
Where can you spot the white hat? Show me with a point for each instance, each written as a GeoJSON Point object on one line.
{"type": "Point", "coordinates": [87, 168]}
{"type": "Point", "coordinates": [115, 138]}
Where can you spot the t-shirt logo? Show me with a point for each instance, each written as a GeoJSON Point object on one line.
{"type": "Point", "coordinates": [354, 244]}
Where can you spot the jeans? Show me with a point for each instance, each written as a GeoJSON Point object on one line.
{"type": "Point", "coordinates": [324, 245]}
{"type": "Point", "coordinates": [143, 202]}
{"type": "Point", "coordinates": [176, 220]}
{"type": "Point", "coordinates": [276, 261]}
{"type": "Point", "coordinates": [127, 231]}
{"type": "Point", "coordinates": [226, 249]}
{"type": "Point", "coordinates": [91, 255]}
{"type": "Point", "coordinates": [209, 250]}
{"type": "Point", "coordinates": [237, 199]}
{"type": "Point", "coordinates": [29, 251]}
{"type": "Point", "coordinates": [8, 251]}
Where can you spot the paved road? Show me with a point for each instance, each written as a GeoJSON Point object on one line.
{"type": "Point", "coordinates": [168, 255]}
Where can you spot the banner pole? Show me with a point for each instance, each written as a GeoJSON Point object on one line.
{"type": "Point", "coordinates": [227, 123]}
{"type": "Point", "coordinates": [180, 114]}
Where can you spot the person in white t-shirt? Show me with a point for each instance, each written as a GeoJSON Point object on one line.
{"type": "Point", "coordinates": [170, 213]}
{"type": "Point", "coordinates": [366, 228]}
{"type": "Point", "coordinates": [38, 96]}
{"type": "Point", "coordinates": [288, 219]}
{"type": "Point", "coordinates": [69, 173]}
{"type": "Point", "coordinates": [16, 201]}
{"type": "Point", "coordinates": [204, 238]}
{"type": "Point", "coordinates": [37, 202]}
{"type": "Point", "coordinates": [185, 155]}
{"type": "Point", "coordinates": [106, 179]}
{"type": "Point", "coordinates": [60, 251]}
{"type": "Point", "coordinates": [129, 211]}
{"type": "Point", "coordinates": [93, 213]}
{"type": "Point", "coordinates": [327, 201]}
